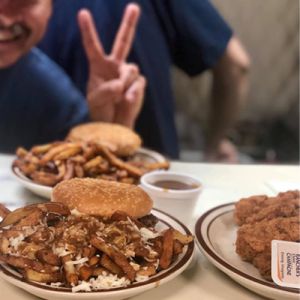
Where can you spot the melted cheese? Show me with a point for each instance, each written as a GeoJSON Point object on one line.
{"type": "Point", "coordinates": [148, 234]}
{"type": "Point", "coordinates": [103, 281]}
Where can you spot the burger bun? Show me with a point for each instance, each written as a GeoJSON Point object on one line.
{"type": "Point", "coordinates": [119, 139]}
{"type": "Point", "coordinates": [102, 198]}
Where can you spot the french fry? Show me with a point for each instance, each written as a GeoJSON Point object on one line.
{"type": "Point", "coordinates": [107, 177]}
{"type": "Point", "coordinates": [47, 256]}
{"type": "Point", "coordinates": [54, 207]}
{"type": "Point", "coordinates": [11, 233]}
{"type": "Point", "coordinates": [140, 250]}
{"type": "Point", "coordinates": [78, 159]}
{"type": "Point", "coordinates": [157, 245]}
{"type": "Point", "coordinates": [69, 152]}
{"type": "Point", "coordinates": [89, 151]}
{"type": "Point", "coordinates": [70, 169]}
{"type": "Point", "coordinates": [99, 271]}
{"type": "Point", "coordinates": [31, 159]}
{"type": "Point", "coordinates": [128, 180]}
{"type": "Point", "coordinates": [45, 178]}
{"type": "Point", "coordinates": [148, 270]}
{"type": "Point", "coordinates": [21, 152]}
{"type": "Point", "coordinates": [94, 162]}
{"type": "Point", "coordinates": [108, 264]}
{"type": "Point", "coordinates": [158, 165]}
{"type": "Point", "coordinates": [122, 174]}
{"type": "Point", "coordinates": [24, 262]}
{"type": "Point", "coordinates": [115, 161]}
{"type": "Point", "coordinates": [183, 239]}
{"type": "Point", "coordinates": [79, 172]}
{"type": "Point", "coordinates": [41, 149]}
{"type": "Point", "coordinates": [16, 215]}
{"type": "Point", "coordinates": [119, 258]}
{"type": "Point", "coordinates": [29, 250]}
{"type": "Point", "coordinates": [167, 249]}
{"type": "Point", "coordinates": [103, 167]}
{"type": "Point", "coordinates": [32, 275]}
{"type": "Point", "coordinates": [40, 236]}
{"type": "Point", "coordinates": [25, 167]}
{"type": "Point", "coordinates": [93, 261]}
{"type": "Point", "coordinates": [32, 219]}
{"type": "Point", "coordinates": [88, 251]}
{"type": "Point", "coordinates": [85, 272]}
{"type": "Point", "coordinates": [4, 246]}
{"type": "Point", "coordinates": [3, 211]}
{"type": "Point", "coordinates": [55, 150]}
{"type": "Point", "coordinates": [70, 271]}
{"type": "Point", "coordinates": [177, 247]}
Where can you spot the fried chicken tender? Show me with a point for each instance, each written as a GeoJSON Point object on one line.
{"type": "Point", "coordinates": [253, 242]}
{"type": "Point", "coordinates": [257, 208]}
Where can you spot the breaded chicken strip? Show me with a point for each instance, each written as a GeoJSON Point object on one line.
{"type": "Point", "coordinates": [258, 208]}
{"type": "Point", "coordinates": [253, 242]}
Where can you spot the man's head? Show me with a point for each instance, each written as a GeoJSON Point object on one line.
{"type": "Point", "coordinates": [22, 25]}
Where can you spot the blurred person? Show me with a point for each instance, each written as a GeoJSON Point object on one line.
{"type": "Point", "coordinates": [189, 34]}
{"type": "Point", "coordinates": [38, 101]}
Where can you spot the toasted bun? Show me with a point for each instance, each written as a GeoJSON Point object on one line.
{"type": "Point", "coordinates": [120, 139]}
{"type": "Point", "coordinates": [102, 197]}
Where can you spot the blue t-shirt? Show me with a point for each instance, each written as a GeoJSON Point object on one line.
{"type": "Point", "coordinates": [38, 103]}
{"type": "Point", "coordinates": [187, 33]}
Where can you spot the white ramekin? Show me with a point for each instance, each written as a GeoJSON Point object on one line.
{"type": "Point", "coordinates": [148, 179]}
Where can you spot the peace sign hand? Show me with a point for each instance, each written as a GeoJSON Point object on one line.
{"type": "Point", "coordinates": [115, 89]}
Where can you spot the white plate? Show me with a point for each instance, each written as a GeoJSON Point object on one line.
{"type": "Point", "coordinates": [45, 191]}
{"type": "Point", "coordinates": [38, 189]}
{"type": "Point", "coordinates": [216, 235]}
{"type": "Point", "coordinates": [49, 292]}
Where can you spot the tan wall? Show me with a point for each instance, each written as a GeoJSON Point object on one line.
{"type": "Point", "coordinates": [269, 29]}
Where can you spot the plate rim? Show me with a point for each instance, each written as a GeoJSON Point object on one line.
{"type": "Point", "coordinates": [27, 180]}
{"type": "Point", "coordinates": [220, 261]}
{"type": "Point", "coordinates": [184, 261]}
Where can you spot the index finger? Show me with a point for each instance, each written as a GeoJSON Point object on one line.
{"type": "Point", "coordinates": [90, 39]}
{"type": "Point", "coordinates": [126, 32]}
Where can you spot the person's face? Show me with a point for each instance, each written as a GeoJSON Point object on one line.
{"type": "Point", "coordinates": [22, 25]}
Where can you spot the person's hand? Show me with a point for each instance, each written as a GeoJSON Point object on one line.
{"type": "Point", "coordinates": [115, 89]}
{"type": "Point", "coordinates": [226, 152]}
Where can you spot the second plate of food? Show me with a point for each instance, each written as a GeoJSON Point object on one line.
{"type": "Point", "coordinates": [142, 156]}
{"type": "Point", "coordinates": [216, 234]}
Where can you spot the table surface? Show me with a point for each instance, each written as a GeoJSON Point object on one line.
{"type": "Point", "coordinates": [221, 184]}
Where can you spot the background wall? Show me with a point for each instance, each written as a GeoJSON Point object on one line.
{"type": "Point", "coordinates": [269, 30]}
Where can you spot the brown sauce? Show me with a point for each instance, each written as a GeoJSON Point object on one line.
{"type": "Point", "coordinates": [174, 185]}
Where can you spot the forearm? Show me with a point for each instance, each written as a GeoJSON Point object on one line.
{"type": "Point", "coordinates": [229, 90]}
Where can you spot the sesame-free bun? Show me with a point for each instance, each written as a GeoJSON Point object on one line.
{"type": "Point", "coordinates": [102, 197]}
{"type": "Point", "coordinates": [119, 139]}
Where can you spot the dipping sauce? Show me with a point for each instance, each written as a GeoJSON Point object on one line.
{"type": "Point", "coordinates": [174, 185]}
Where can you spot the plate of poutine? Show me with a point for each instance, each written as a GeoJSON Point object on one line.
{"type": "Point", "coordinates": [43, 166]}
{"type": "Point", "coordinates": [55, 253]}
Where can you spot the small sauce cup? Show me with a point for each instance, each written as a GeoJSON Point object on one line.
{"type": "Point", "coordinates": [173, 192]}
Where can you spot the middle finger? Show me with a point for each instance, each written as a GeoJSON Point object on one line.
{"type": "Point", "coordinates": [125, 35]}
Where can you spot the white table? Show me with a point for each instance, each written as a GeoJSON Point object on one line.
{"type": "Point", "coordinates": [222, 184]}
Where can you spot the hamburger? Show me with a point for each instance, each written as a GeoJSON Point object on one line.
{"type": "Point", "coordinates": [102, 198]}
{"type": "Point", "coordinates": [119, 139]}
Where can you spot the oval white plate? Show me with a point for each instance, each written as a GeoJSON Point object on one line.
{"type": "Point", "coordinates": [216, 235]}
{"type": "Point", "coordinates": [45, 191]}
{"type": "Point", "coordinates": [49, 292]}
